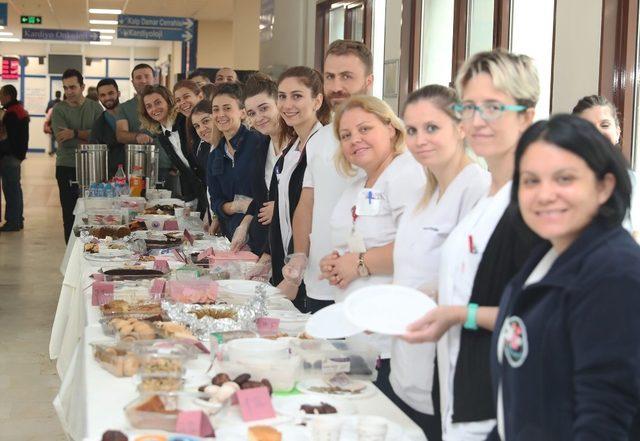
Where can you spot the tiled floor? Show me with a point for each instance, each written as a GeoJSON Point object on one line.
{"type": "Point", "coordinates": [29, 286]}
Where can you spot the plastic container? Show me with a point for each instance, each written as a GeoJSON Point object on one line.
{"type": "Point", "coordinates": [192, 291]}
{"type": "Point", "coordinates": [282, 374]}
{"type": "Point", "coordinates": [159, 411]}
{"type": "Point", "coordinates": [160, 383]}
{"type": "Point", "coordinates": [105, 217]}
{"type": "Point", "coordinates": [98, 203]}
{"type": "Point", "coordinates": [165, 347]}
{"type": "Point", "coordinates": [117, 359]}
{"type": "Point", "coordinates": [160, 364]}
{"type": "Point", "coordinates": [329, 357]}
{"type": "Point", "coordinates": [155, 222]}
{"type": "Point", "coordinates": [155, 193]}
{"type": "Point", "coordinates": [248, 349]}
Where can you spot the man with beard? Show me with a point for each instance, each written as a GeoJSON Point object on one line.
{"type": "Point", "coordinates": [128, 125]}
{"type": "Point", "coordinates": [104, 129]}
{"type": "Point", "coordinates": [71, 122]}
{"type": "Point", "coordinates": [348, 70]}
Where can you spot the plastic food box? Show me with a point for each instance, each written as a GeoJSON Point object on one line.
{"type": "Point", "coordinates": [98, 203]}
{"type": "Point", "coordinates": [262, 358]}
{"type": "Point", "coordinates": [192, 291]}
{"type": "Point", "coordinates": [105, 217]}
{"type": "Point", "coordinates": [171, 402]}
{"type": "Point", "coordinates": [322, 358]}
{"type": "Point", "coordinates": [159, 364]}
{"type": "Point", "coordinates": [117, 359]}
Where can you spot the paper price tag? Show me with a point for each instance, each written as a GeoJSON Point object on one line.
{"type": "Point", "coordinates": [101, 293]}
{"type": "Point", "coordinates": [255, 404]}
{"type": "Point", "coordinates": [157, 288]}
{"type": "Point", "coordinates": [170, 225]}
{"type": "Point", "coordinates": [206, 253]}
{"type": "Point", "coordinates": [188, 236]}
{"type": "Point", "coordinates": [194, 422]}
{"type": "Point", "coordinates": [98, 277]}
{"type": "Point", "coordinates": [161, 265]}
{"type": "Point", "coordinates": [331, 366]}
{"type": "Point", "coordinates": [267, 326]}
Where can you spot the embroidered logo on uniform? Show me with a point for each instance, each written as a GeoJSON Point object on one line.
{"type": "Point", "coordinates": [513, 341]}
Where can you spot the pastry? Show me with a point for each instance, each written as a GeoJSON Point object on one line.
{"type": "Point", "coordinates": [322, 409]}
{"type": "Point", "coordinates": [220, 379]}
{"type": "Point", "coordinates": [114, 435]}
{"type": "Point", "coordinates": [264, 433]}
{"type": "Point", "coordinates": [161, 365]}
{"type": "Point", "coordinates": [160, 384]}
{"type": "Point", "coordinates": [174, 330]}
{"type": "Point", "coordinates": [91, 248]}
{"type": "Point", "coordinates": [154, 404]}
{"type": "Point", "coordinates": [118, 361]}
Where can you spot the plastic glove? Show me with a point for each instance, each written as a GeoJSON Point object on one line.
{"type": "Point", "coordinates": [240, 237]}
{"type": "Point", "coordinates": [240, 203]}
{"type": "Point", "coordinates": [261, 271]}
{"type": "Point", "coordinates": [288, 289]}
{"type": "Point", "coordinates": [294, 267]}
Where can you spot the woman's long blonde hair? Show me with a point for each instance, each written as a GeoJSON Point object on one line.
{"type": "Point", "coordinates": [148, 123]}
{"type": "Point", "coordinates": [444, 98]}
{"type": "Point", "coordinates": [380, 110]}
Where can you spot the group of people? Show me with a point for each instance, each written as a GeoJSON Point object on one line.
{"type": "Point", "coordinates": [519, 231]}
{"type": "Point", "coordinates": [77, 119]}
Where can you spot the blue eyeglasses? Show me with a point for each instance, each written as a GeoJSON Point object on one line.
{"type": "Point", "coordinates": [488, 111]}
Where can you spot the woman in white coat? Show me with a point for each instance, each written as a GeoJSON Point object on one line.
{"type": "Point", "coordinates": [499, 91]}
{"type": "Point", "coordinates": [455, 183]}
{"type": "Point", "coordinates": [365, 219]}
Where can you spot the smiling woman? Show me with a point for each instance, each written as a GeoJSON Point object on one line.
{"type": "Point", "coordinates": [571, 312]}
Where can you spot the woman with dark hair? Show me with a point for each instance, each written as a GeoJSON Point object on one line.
{"type": "Point", "coordinates": [565, 356]}
{"type": "Point", "coordinates": [231, 162]}
{"type": "Point", "coordinates": [261, 93]}
{"type": "Point", "coordinates": [604, 116]}
{"type": "Point", "coordinates": [303, 111]}
{"type": "Point", "coordinates": [159, 115]}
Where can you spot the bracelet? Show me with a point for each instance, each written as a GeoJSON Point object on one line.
{"type": "Point", "coordinates": [471, 323]}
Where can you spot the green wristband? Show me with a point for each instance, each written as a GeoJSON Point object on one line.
{"type": "Point", "coordinates": [472, 312]}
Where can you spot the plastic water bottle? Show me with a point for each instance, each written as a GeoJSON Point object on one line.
{"type": "Point", "coordinates": [109, 190]}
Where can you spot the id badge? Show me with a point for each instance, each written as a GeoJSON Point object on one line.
{"type": "Point", "coordinates": [369, 203]}
{"type": "Point", "coordinates": [355, 243]}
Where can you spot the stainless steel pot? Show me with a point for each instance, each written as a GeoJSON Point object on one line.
{"type": "Point", "coordinates": [146, 157]}
{"type": "Point", "coordinates": [91, 164]}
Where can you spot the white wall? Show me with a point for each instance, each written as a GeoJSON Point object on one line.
{"type": "Point", "coordinates": [393, 23]}
{"type": "Point", "coordinates": [577, 52]}
{"type": "Point", "coordinates": [532, 34]}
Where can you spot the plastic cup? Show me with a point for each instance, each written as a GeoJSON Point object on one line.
{"type": "Point", "coordinates": [326, 428]}
{"type": "Point", "coordinates": [372, 428]}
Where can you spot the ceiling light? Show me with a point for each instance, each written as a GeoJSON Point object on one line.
{"type": "Point", "coordinates": [9, 39]}
{"type": "Point", "coordinates": [104, 22]}
{"type": "Point", "coordinates": [105, 11]}
{"type": "Point", "coordinates": [104, 31]}
{"type": "Point", "coordinates": [101, 43]}
{"type": "Point", "coordinates": [6, 34]}
{"type": "Point", "coordinates": [106, 37]}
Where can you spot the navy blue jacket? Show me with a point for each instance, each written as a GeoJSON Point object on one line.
{"type": "Point", "coordinates": [571, 362]}
{"type": "Point", "coordinates": [227, 178]}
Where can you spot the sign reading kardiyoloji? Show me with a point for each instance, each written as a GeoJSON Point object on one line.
{"type": "Point", "coordinates": [149, 27]}
{"type": "Point", "coordinates": [59, 34]}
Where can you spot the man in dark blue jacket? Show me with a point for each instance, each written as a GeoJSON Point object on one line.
{"type": "Point", "coordinates": [12, 152]}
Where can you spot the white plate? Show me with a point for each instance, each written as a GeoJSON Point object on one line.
{"type": "Point", "coordinates": [331, 322]}
{"type": "Point", "coordinates": [386, 309]}
{"type": "Point", "coordinates": [246, 287]}
{"type": "Point", "coordinates": [99, 257]}
{"type": "Point", "coordinates": [305, 386]}
{"type": "Point", "coordinates": [290, 406]}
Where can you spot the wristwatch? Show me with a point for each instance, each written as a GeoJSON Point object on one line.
{"type": "Point", "coordinates": [75, 133]}
{"type": "Point", "coordinates": [363, 271]}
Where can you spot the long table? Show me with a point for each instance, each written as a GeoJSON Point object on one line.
{"type": "Point", "coordinates": [91, 400]}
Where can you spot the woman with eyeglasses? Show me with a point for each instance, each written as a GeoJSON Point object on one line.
{"type": "Point", "coordinates": [499, 91]}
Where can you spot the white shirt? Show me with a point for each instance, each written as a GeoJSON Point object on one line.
{"type": "Point", "coordinates": [328, 184]}
{"type": "Point", "coordinates": [461, 255]}
{"type": "Point", "coordinates": [631, 221]}
{"type": "Point", "coordinates": [416, 261]}
{"type": "Point", "coordinates": [174, 138]}
{"type": "Point", "coordinates": [284, 177]}
{"type": "Point", "coordinates": [269, 164]}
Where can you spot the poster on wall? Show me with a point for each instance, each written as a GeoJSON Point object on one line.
{"type": "Point", "coordinates": [36, 95]}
